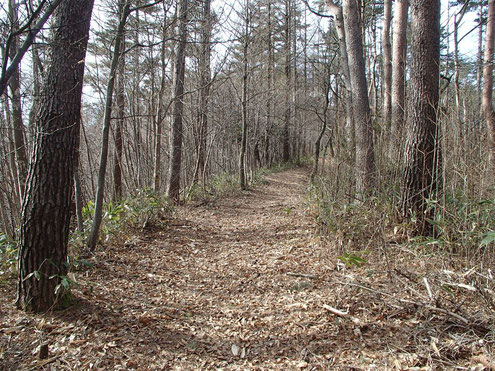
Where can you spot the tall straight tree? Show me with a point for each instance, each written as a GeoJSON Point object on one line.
{"type": "Point", "coordinates": [387, 64]}
{"type": "Point", "coordinates": [242, 153]}
{"type": "Point", "coordinates": [204, 90]}
{"type": "Point", "coordinates": [15, 91]}
{"type": "Point", "coordinates": [46, 207]}
{"type": "Point", "coordinates": [338, 20]}
{"type": "Point", "coordinates": [119, 125]}
{"type": "Point", "coordinates": [488, 110]}
{"type": "Point", "coordinates": [398, 75]}
{"type": "Point", "coordinates": [421, 173]}
{"type": "Point", "coordinates": [95, 228]}
{"type": "Point", "coordinates": [365, 161]}
{"type": "Point", "coordinates": [173, 186]}
{"type": "Point", "coordinates": [288, 82]}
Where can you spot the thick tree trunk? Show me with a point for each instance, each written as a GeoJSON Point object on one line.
{"type": "Point", "coordinates": [46, 207]}
{"type": "Point", "coordinates": [488, 109]}
{"type": "Point", "coordinates": [173, 186]}
{"type": "Point", "coordinates": [421, 172]}
{"type": "Point", "coordinates": [365, 162]}
{"type": "Point", "coordinates": [398, 78]}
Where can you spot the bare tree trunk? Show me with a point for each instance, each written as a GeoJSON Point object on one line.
{"type": "Point", "coordinates": [160, 116]}
{"type": "Point", "coordinates": [46, 207]}
{"type": "Point", "coordinates": [387, 65]}
{"type": "Point", "coordinates": [479, 63]}
{"type": "Point", "coordinates": [173, 186]}
{"type": "Point", "coordinates": [421, 173]}
{"type": "Point", "coordinates": [288, 78]}
{"type": "Point", "coordinates": [314, 171]}
{"type": "Point", "coordinates": [95, 229]}
{"type": "Point", "coordinates": [488, 109]}
{"type": "Point", "coordinates": [120, 100]}
{"type": "Point", "coordinates": [269, 78]}
{"type": "Point", "coordinates": [242, 154]}
{"type": "Point", "coordinates": [205, 81]}
{"type": "Point", "coordinates": [398, 78]}
{"type": "Point", "coordinates": [365, 162]}
{"type": "Point", "coordinates": [336, 11]}
{"type": "Point", "coordinates": [17, 122]}
{"type": "Point", "coordinates": [459, 109]}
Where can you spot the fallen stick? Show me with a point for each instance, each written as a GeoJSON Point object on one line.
{"type": "Point", "coordinates": [405, 301]}
{"type": "Point", "coordinates": [339, 313]}
{"type": "Point", "coordinates": [311, 276]}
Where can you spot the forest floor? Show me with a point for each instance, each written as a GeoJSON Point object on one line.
{"type": "Point", "coordinates": [245, 283]}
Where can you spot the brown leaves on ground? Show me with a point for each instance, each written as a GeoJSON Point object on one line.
{"type": "Point", "coordinates": [244, 284]}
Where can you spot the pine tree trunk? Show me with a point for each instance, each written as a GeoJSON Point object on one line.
{"type": "Point", "coordinates": [119, 125]}
{"type": "Point", "coordinates": [398, 78]}
{"type": "Point", "coordinates": [421, 172]}
{"type": "Point", "coordinates": [46, 208]}
{"type": "Point", "coordinates": [173, 186]}
{"type": "Point", "coordinates": [365, 162]}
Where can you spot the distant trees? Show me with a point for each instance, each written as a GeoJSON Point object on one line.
{"type": "Point", "coordinates": [46, 209]}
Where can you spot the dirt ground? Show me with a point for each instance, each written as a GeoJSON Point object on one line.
{"type": "Point", "coordinates": [245, 283]}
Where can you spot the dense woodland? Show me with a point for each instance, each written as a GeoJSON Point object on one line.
{"type": "Point", "coordinates": [116, 112]}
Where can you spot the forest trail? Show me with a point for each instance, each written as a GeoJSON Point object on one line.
{"type": "Point", "coordinates": [237, 284]}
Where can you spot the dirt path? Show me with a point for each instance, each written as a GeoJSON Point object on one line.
{"type": "Point", "coordinates": [217, 290]}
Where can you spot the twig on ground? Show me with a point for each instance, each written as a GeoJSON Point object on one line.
{"type": "Point", "coordinates": [405, 301]}
{"type": "Point", "coordinates": [303, 275]}
{"type": "Point", "coordinates": [339, 313]}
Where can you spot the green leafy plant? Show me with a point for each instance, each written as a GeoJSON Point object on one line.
{"type": "Point", "coordinates": [8, 256]}
{"type": "Point", "coordinates": [350, 260]}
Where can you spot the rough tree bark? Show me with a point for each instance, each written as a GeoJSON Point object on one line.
{"type": "Point", "coordinates": [421, 172]}
{"type": "Point", "coordinates": [173, 186]}
{"type": "Point", "coordinates": [46, 208]}
{"type": "Point", "coordinates": [119, 124]}
{"type": "Point", "coordinates": [398, 77]}
{"type": "Point", "coordinates": [365, 162]}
